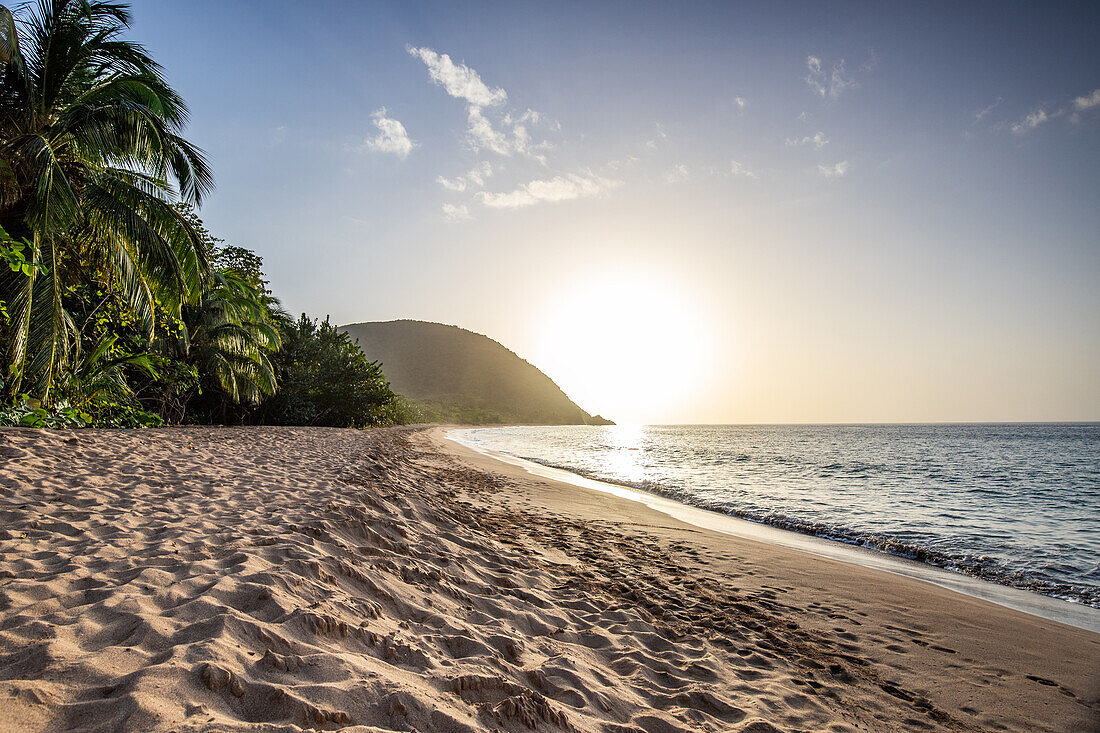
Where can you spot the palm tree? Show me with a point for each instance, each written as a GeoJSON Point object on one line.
{"type": "Point", "coordinates": [91, 161]}
{"type": "Point", "coordinates": [229, 335]}
{"type": "Point", "coordinates": [99, 376]}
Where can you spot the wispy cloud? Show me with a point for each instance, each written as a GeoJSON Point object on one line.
{"type": "Point", "coordinates": [1031, 121]}
{"type": "Point", "coordinates": [836, 171]}
{"type": "Point", "coordinates": [829, 83]}
{"type": "Point", "coordinates": [528, 116]}
{"type": "Point", "coordinates": [678, 174]}
{"type": "Point", "coordinates": [460, 212]}
{"type": "Point", "coordinates": [983, 113]}
{"type": "Point", "coordinates": [484, 136]}
{"type": "Point", "coordinates": [391, 138]}
{"type": "Point", "coordinates": [492, 127]}
{"type": "Point", "coordinates": [739, 170]}
{"type": "Point", "coordinates": [1075, 109]}
{"type": "Point", "coordinates": [662, 135]}
{"type": "Point", "coordinates": [459, 80]}
{"type": "Point", "coordinates": [870, 63]}
{"type": "Point", "coordinates": [487, 129]}
{"type": "Point", "coordinates": [1084, 103]}
{"type": "Point", "coordinates": [1087, 101]}
{"type": "Point", "coordinates": [552, 190]}
{"type": "Point", "coordinates": [621, 164]}
{"type": "Point", "coordinates": [475, 178]}
{"type": "Point", "coordinates": [818, 140]}
{"type": "Point", "coordinates": [522, 142]}
{"type": "Point", "coordinates": [452, 184]}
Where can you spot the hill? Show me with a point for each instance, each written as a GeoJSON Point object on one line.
{"type": "Point", "coordinates": [453, 375]}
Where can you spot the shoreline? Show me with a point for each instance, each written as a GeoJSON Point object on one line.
{"type": "Point", "coordinates": [1033, 603]}
{"type": "Point", "coordinates": [281, 579]}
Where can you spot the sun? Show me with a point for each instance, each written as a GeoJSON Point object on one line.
{"type": "Point", "coordinates": [630, 346]}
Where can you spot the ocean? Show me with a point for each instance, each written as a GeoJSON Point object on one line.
{"type": "Point", "coordinates": [1016, 504]}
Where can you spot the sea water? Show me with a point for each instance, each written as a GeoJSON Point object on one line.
{"type": "Point", "coordinates": [1017, 504]}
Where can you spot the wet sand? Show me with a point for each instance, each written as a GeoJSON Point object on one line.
{"type": "Point", "coordinates": [281, 579]}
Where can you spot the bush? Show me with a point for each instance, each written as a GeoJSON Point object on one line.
{"type": "Point", "coordinates": [324, 379]}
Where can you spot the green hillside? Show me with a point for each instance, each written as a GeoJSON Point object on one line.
{"type": "Point", "coordinates": [450, 374]}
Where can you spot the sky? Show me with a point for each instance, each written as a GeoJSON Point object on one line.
{"type": "Point", "coordinates": [681, 212]}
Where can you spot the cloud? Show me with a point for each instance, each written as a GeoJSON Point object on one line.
{"type": "Point", "coordinates": [662, 135]}
{"type": "Point", "coordinates": [818, 139]}
{"type": "Point", "coordinates": [456, 213]}
{"type": "Point", "coordinates": [506, 136]}
{"type": "Point", "coordinates": [456, 184]}
{"type": "Point", "coordinates": [1073, 109]}
{"type": "Point", "coordinates": [837, 171]}
{"type": "Point", "coordinates": [484, 136]}
{"type": "Point", "coordinates": [628, 161]}
{"type": "Point", "coordinates": [984, 112]}
{"type": "Point", "coordinates": [459, 80]}
{"type": "Point", "coordinates": [391, 137]}
{"type": "Point", "coordinates": [475, 178]}
{"type": "Point", "coordinates": [1033, 120]}
{"type": "Point", "coordinates": [523, 144]}
{"type": "Point", "coordinates": [678, 174]}
{"type": "Point", "coordinates": [1088, 101]}
{"type": "Point", "coordinates": [529, 116]}
{"type": "Point", "coordinates": [829, 83]}
{"type": "Point", "coordinates": [552, 190]}
{"type": "Point", "coordinates": [870, 63]}
{"type": "Point", "coordinates": [739, 170]}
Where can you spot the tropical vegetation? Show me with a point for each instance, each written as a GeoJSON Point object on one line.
{"type": "Point", "coordinates": [117, 306]}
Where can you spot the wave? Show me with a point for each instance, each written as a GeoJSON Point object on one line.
{"type": "Point", "coordinates": [978, 566]}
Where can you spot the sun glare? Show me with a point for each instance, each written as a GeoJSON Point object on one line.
{"type": "Point", "coordinates": [629, 347]}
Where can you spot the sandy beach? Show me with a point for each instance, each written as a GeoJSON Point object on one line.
{"type": "Point", "coordinates": [278, 579]}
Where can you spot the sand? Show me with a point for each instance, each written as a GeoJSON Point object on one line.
{"type": "Point", "coordinates": [278, 579]}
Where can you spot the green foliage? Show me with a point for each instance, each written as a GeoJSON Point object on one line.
{"type": "Point", "coordinates": [117, 306]}
{"type": "Point", "coordinates": [170, 395]}
{"type": "Point", "coordinates": [100, 385]}
{"type": "Point", "coordinates": [231, 336]}
{"type": "Point", "coordinates": [14, 255]}
{"type": "Point", "coordinates": [245, 263]}
{"type": "Point", "coordinates": [453, 409]}
{"type": "Point", "coordinates": [97, 392]}
{"type": "Point", "coordinates": [326, 380]}
{"type": "Point", "coordinates": [29, 413]}
{"type": "Point", "coordinates": [90, 162]}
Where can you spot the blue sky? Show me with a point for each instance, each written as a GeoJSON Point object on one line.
{"type": "Point", "coordinates": [853, 211]}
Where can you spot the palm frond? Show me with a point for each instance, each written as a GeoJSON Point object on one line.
{"type": "Point", "coordinates": [91, 161]}
{"type": "Point", "coordinates": [45, 338]}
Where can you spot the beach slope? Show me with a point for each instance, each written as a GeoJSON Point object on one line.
{"type": "Point", "coordinates": [280, 579]}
